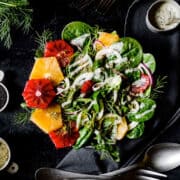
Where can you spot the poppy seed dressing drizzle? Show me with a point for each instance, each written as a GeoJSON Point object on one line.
{"type": "Point", "coordinates": [164, 13]}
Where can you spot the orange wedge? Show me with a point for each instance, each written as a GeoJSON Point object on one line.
{"type": "Point", "coordinates": [108, 38]}
{"type": "Point", "coordinates": [47, 67]}
{"type": "Point", "coordinates": [48, 119]}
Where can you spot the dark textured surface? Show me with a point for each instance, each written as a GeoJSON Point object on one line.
{"type": "Point", "coordinates": [31, 148]}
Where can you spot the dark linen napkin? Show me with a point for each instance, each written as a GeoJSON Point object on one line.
{"type": "Point", "coordinates": [86, 160]}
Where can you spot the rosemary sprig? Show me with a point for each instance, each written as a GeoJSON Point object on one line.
{"type": "Point", "coordinates": [14, 14]}
{"type": "Point", "coordinates": [159, 86]}
{"type": "Point", "coordinates": [41, 40]}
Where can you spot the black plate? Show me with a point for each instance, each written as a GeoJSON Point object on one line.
{"type": "Point", "coordinates": [165, 47]}
{"type": "Point", "coordinates": [31, 148]}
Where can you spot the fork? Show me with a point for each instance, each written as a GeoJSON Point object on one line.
{"type": "Point", "coordinates": [56, 174]}
{"type": "Point", "coordinates": [104, 6]}
{"type": "Point", "coordinates": [143, 174]}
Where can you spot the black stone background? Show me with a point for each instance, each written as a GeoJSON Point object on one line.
{"type": "Point", "coordinates": [30, 147]}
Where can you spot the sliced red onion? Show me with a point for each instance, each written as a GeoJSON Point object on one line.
{"type": "Point", "coordinates": [147, 71]}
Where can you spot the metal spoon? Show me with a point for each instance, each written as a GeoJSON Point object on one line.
{"type": "Point", "coordinates": [163, 157]}
{"type": "Point", "coordinates": [160, 157]}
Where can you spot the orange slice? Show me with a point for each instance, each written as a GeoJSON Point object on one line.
{"type": "Point", "coordinates": [108, 38]}
{"type": "Point", "coordinates": [48, 119]}
{"type": "Point", "coordinates": [47, 67]}
{"type": "Point", "coordinates": [122, 129]}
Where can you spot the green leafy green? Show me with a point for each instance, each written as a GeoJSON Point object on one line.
{"type": "Point", "coordinates": [75, 29]}
{"type": "Point", "coordinates": [14, 13]}
{"type": "Point", "coordinates": [146, 110]}
{"type": "Point", "coordinates": [149, 61]}
{"type": "Point", "coordinates": [137, 132]}
{"type": "Point", "coordinates": [132, 50]}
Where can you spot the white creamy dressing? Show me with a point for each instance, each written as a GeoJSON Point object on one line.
{"type": "Point", "coordinates": [84, 61]}
{"type": "Point", "coordinates": [135, 107]}
{"type": "Point", "coordinates": [139, 82]}
{"type": "Point", "coordinates": [91, 104]}
{"type": "Point", "coordinates": [106, 52]}
{"type": "Point", "coordinates": [113, 82]}
{"type": "Point", "coordinates": [117, 46]}
{"type": "Point", "coordinates": [132, 125]}
{"type": "Point", "coordinates": [100, 74]}
{"type": "Point", "coordinates": [164, 15]}
{"type": "Point", "coordinates": [79, 41]}
{"type": "Point", "coordinates": [67, 84]}
{"type": "Point", "coordinates": [98, 86]}
{"type": "Point", "coordinates": [65, 103]}
{"type": "Point", "coordinates": [138, 116]}
{"type": "Point", "coordinates": [78, 69]}
{"type": "Point", "coordinates": [115, 95]}
{"type": "Point", "coordinates": [131, 70]}
{"type": "Point", "coordinates": [78, 120]}
{"type": "Point", "coordinates": [80, 61]}
{"type": "Point", "coordinates": [113, 50]}
{"type": "Point", "coordinates": [100, 114]}
{"type": "Point", "coordinates": [142, 105]}
{"type": "Point", "coordinates": [116, 61]}
{"type": "Point", "coordinates": [82, 78]}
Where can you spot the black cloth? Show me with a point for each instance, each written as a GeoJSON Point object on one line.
{"type": "Point", "coordinates": [86, 160]}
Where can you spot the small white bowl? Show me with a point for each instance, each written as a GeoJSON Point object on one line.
{"type": "Point", "coordinates": [7, 97]}
{"type": "Point", "coordinates": [173, 7]}
{"type": "Point", "coordinates": [9, 166]}
{"type": "Point", "coordinates": [6, 91]}
{"type": "Point", "coordinates": [9, 154]}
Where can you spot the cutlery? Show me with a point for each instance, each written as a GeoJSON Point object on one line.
{"type": "Point", "coordinates": [56, 174]}
{"type": "Point", "coordinates": [159, 157]}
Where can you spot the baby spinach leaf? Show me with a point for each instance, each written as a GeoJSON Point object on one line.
{"type": "Point", "coordinates": [149, 61]}
{"type": "Point", "coordinates": [133, 74]}
{"type": "Point", "coordinates": [146, 110]}
{"type": "Point", "coordinates": [136, 132]}
{"type": "Point", "coordinates": [75, 29]}
{"type": "Point", "coordinates": [132, 50]}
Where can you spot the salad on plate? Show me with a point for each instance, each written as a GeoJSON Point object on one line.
{"type": "Point", "coordinates": [91, 87]}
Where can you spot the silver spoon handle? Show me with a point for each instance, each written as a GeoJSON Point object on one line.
{"type": "Point", "coordinates": [124, 170]}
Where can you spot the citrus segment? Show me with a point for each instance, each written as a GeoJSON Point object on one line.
{"type": "Point", "coordinates": [47, 67]}
{"type": "Point", "coordinates": [108, 38]}
{"type": "Point", "coordinates": [48, 119]}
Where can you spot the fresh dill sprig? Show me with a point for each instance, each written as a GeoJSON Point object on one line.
{"type": "Point", "coordinates": [41, 40]}
{"type": "Point", "coordinates": [159, 86]}
{"type": "Point", "coordinates": [14, 14]}
{"type": "Point", "coordinates": [21, 118]}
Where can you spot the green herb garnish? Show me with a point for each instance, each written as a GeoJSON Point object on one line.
{"type": "Point", "coordinates": [157, 90]}
{"type": "Point", "coordinates": [13, 13]}
{"type": "Point", "coordinates": [22, 117]}
{"type": "Point", "coordinates": [41, 40]}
